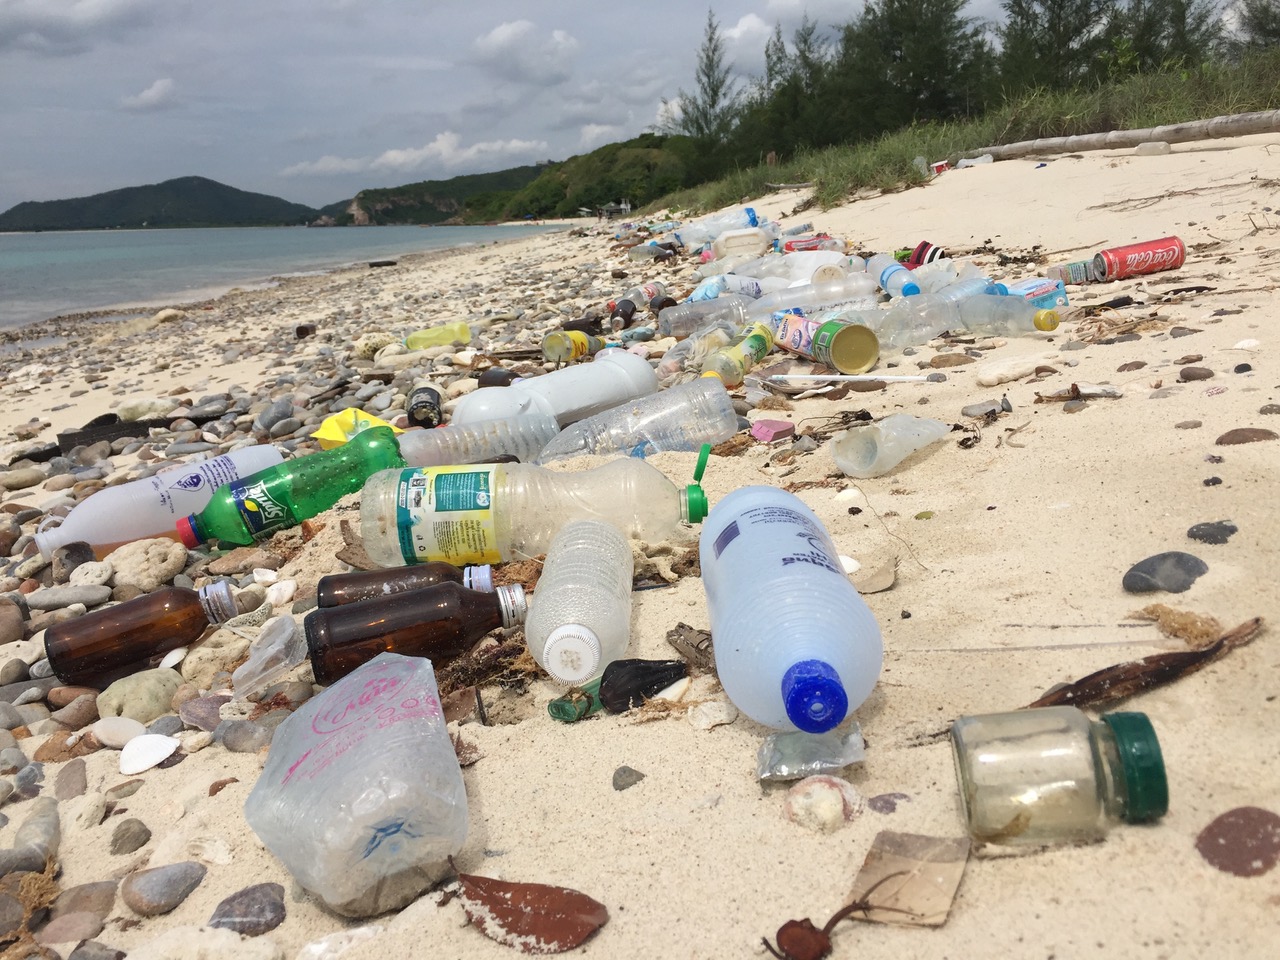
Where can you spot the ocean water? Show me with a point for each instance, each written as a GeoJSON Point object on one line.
{"type": "Point", "coordinates": [45, 275]}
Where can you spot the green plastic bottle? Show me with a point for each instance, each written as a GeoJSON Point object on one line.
{"type": "Point", "coordinates": [258, 505]}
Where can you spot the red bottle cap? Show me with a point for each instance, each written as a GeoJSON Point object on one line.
{"type": "Point", "coordinates": [187, 532]}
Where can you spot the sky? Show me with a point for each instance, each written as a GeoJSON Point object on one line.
{"type": "Point", "coordinates": [314, 100]}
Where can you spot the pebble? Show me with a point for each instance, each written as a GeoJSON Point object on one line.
{"type": "Point", "coordinates": [1269, 409]}
{"type": "Point", "coordinates": [625, 777]}
{"type": "Point", "coordinates": [143, 696]}
{"type": "Point", "coordinates": [1246, 435]}
{"type": "Point", "coordinates": [93, 573]}
{"type": "Point", "coordinates": [1217, 532]}
{"type": "Point", "coordinates": [68, 558]}
{"type": "Point", "coordinates": [11, 914]}
{"type": "Point", "coordinates": [243, 736]}
{"type": "Point", "coordinates": [115, 732]}
{"type": "Point", "coordinates": [128, 836]}
{"type": "Point", "coordinates": [822, 803]}
{"type": "Point", "coordinates": [71, 781]}
{"type": "Point", "coordinates": [80, 712]}
{"type": "Point", "coordinates": [150, 893]}
{"type": "Point", "coordinates": [70, 928]}
{"type": "Point", "coordinates": [252, 911]}
{"type": "Point", "coordinates": [148, 564]}
{"type": "Point", "coordinates": [202, 712]}
{"type": "Point", "coordinates": [97, 898]}
{"type": "Point", "coordinates": [1194, 373]}
{"type": "Point", "coordinates": [93, 950]}
{"type": "Point", "coordinates": [1188, 425]}
{"type": "Point", "coordinates": [1173, 572]}
{"type": "Point", "coordinates": [15, 669]}
{"type": "Point", "coordinates": [56, 598]}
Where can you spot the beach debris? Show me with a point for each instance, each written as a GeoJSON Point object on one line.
{"type": "Point", "coordinates": [1122, 680]}
{"type": "Point", "coordinates": [711, 713]}
{"type": "Point", "coordinates": [917, 877]}
{"type": "Point", "coordinates": [531, 917]}
{"type": "Point", "coordinates": [880, 579]}
{"type": "Point", "coordinates": [1216, 532]}
{"type": "Point", "coordinates": [887, 802]}
{"type": "Point", "coordinates": [1196, 629]}
{"type": "Point", "coordinates": [129, 836]}
{"type": "Point", "coordinates": [579, 702]}
{"type": "Point", "coordinates": [334, 945]}
{"type": "Point", "coordinates": [1172, 571]}
{"type": "Point", "coordinates": [1079, 391]}
{"type": "Point", "coordinates": [625, 777]}
{"type": "Point", "coordinates": [629, 683]}
{"type": "Point", "coordinates": [794, 755]}
{"type": "Point", "coordinates": [144, 752]}
{"type": "Point", "coordinates": [822, 803]}
{"type": "Point", "coordinates": [1244, 842]}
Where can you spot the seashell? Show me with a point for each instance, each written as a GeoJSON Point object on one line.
{"type": "Point", "coordinates": [264, 575]}
{"type": "Point", "coordinates": [629, 683]}
{"type": "Point", "coordinates": [849, 564]}
{"type": "Point", "coordinates": [282, 592]}
{"type": "Point", "coordinates": [116, 732]}
{"type": "Point", "coordinates": [822, 803]}
{"type": "Point", "coordinates": [144, 752]}
{"type": "Point", "coordinates": [712, 713]}
{"type": "Point", "coordinates": [211, 850]}
{"type": "Point", "coordinates": [173, 658]}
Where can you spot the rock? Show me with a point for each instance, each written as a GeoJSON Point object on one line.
{"type": "Point", "coordinates": [712, 713]}
{"type": "Point", "coordinates": [625, 777]}
{"type": "Point", "coordinates": [128, 836]}
{"type": "Point", "coordinates": [1269, 409]}
{"type": "Point", "coordinates": [68, 557]}
{"type": "Point", "coordinates": [273, 414]}
{"type": "Point", "coordinates": [981, 409]}
{"type": "Point", "coordinates": [93, 573]}
{"type": "Point", "coordinates": [70, 928]}
{"type": "Point", "coordinates": [143, 408]}
{"type": "Point", "coordinates": [96, 898]}
{"type": "Point", "coordinates": [944, 360]}
{"type": "Point", "coordinates": [252, 911]}
{"type": "Point", "coordinates": [56, 748]}
{"type": "Point", "coordinates": [202, 712]}
{"type": "Point", "coordinates": [59, 697]}
{"type": "Point", "coordinates": [36, 840]}
{"type": "Point", "coordinates": [142, 696]}
{"type": "Point", "coordinates": [1188, 425]}
{"type": "Point", "coordinates": [93, 950]}
{"type": "Point", "coordinates": [150, 893]}
{"type": "Point", "coordinates": [148, 564]}
{"type": "Point", "coordinates": [166, 726]}
{"type": "Point", "coordinates": [219, 652]}
{"type": "Point", "coordinates": [1217, 532]}
{"type": "Point", "coordinates": [243, 560]}
{"type": "Point", "coordinates": [11, 914]}
{"type": "Point", "coordinates": [995, 372]}
{"type": "Point", "coordinates": [115, 732]}
{"type": "Point", "coordinates": [12, 760]}
{"type": "Point", "coordinates": [12, 628]}
{"type": "Point", "coordinates": [1131, 366]}
{"type": "Point", "coordinates": [80, 712]}
{"type": "Point", "coordinates": [1173, 572]}
{"type": "Point", "coordinates": [21, 478]}
{"type": "Point", "coordinates": [71, 780]}
{"type": "Point", "coordinates": [244, 736]}
{"type": "Point", "coordinates": [1246, 435]}
{"type": "Point", "coordinates": [56, 598]}
{"type": "Point", "coordinates": [203, 943]}
{"type": "Point", "coordinates": [1194, 373]}
{"type": "Point", "coordinates": [822, 803]}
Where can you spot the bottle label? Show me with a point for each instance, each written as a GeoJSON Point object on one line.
{"type": "Point", "coordinates": [446, 513]}
{"type": "Point", "coordinates": [810, 545]}
{"type": "Point", "coordinates": [182, 491]}
{"type": "Point", "coordinates": [261, 511]}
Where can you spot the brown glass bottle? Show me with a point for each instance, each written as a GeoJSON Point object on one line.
{"type": "Point", "coordinates": [342, 588]}
{"type": "Point", "coordinates": [438, 622]}
{"type": "Point", "coordinates": [103, 646]}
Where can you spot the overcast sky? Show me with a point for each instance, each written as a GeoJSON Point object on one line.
{"type": "Point", "coordinates": [312, 100]}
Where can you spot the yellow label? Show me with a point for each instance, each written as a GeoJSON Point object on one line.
{"type": "Point", "coordinates": [446, 513]}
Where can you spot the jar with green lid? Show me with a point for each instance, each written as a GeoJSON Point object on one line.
{"type": "Point", "coordinates": [1055, 775]}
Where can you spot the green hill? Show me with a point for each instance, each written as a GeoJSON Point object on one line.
{"type": "Point", "coordinates": [182, 202]}
{"type": "Point", "coordinates": [468, 198]}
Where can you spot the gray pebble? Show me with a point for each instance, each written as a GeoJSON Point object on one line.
{"type": "Point", "coordinates": [11, 914]}
{"type": "Point", "coordinates": [1073, 345]}
{"type": "Point", "coordinates": [1074, 406]}
{"type": "Point", "coordinates": [55, 598]}
{"type": "Point", "coordinates": [97, 898]}
{"type": "Point", "coordinates": [159, 890]}
{"type": "Point", "coordinates": [252, 911]}
{"type": "Point", "coordinates": [182, 449]}
{"type": "Point", "coordinates": [243, 736]}
{"type": "Point", "coordinates": [70, 928]}
{"type": "Point", "coordinates": [167, 726]}
{"type": "Point", "coordinates": [71, 781]}
{"type": "Point", "coordinates": [1173, 572]}
{"type": "Point", "coordinates": [980, 409]}
{"type": "Point", "coordinates": [12, 759]}
{"type": "Point", "coordinates": [625, 777]}
{"type": "Point", "coordinates": [41, 670]}
{"type": "Point", "coordinates": [1188, 425]}
{"type": "Point", "coordinates": [1216, 532]}
{"type": "Point", "coordinates": [14, 670]}
{"type": "Point", "coordinates": [93, 950]}
{"type": "Point", "coordinates": [128, 836]}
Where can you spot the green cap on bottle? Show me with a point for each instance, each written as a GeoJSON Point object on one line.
{"type": "Point", "coordinates": [695, 498]}
{"type": "Point", "coordinates": [1143, 764]}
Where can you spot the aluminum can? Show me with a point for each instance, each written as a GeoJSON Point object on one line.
{"type": "Point", "coordinates": [1136, 259]}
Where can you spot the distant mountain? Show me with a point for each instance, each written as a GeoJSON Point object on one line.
{"type": "Point", "coordinates": [457, 200]}
{"type": "Point", "coordinates": [182, 202]}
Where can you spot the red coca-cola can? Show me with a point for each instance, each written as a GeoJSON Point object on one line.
{"type": "Point", "coordinates": [1151, 256]}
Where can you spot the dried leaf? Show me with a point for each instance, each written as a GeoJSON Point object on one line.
{"type": "Point", "coordinates": [879, 579]}
{"type": "Point", "coordinates": [919, 876]}
{"type": "Point", "coordinates": [217, 786]}
{"type": "Point", "coordinates": [532, 917]}
{"type": "Point", "coordinates": [1125, 679]}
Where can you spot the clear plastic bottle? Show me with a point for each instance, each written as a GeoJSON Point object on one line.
{"type": "Point", "coordinates": [731, 362]}
{"type": "Point", "coordinates": [683, 417]}
{"type": "Point", "coordinates": [715, 287]}
{"type": "Point", "coordinates": [455, 331]}
{"type": "Point", "coordinates": [894, 279]}
{"type": "Point", "coordinates": [705, 229]}
{"type": "Point", "coordinates": [569, 394]}
{"type": "Point", "coordinates": [692, 350]}
{"type": "Point", "coordinates": [491, 513]}
{"type": "Point", "coordinates": [580, 615]}
{"type": "Point", "coordinates": [854, 288]}
{"type": "Point", "coordinates": [151, 506]}
{"type": "Point", "coordinates": [482, 441]}
{"type": "Point", "coordinates": [362, 797]}
{"type": "Point", "coordinates": [684, 319]}
{"type": "Point", "coordinates": [1055, 775]}
{"type": "Point", "coordinates": [795, 645]}
{"type": "Point", "coordinates": [911, 321]}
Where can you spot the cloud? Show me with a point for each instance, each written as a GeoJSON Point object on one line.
{"type": "Point", "coordinates": [445, 153]}
{"type": "Point", "coordinates": [62, 27]}
{"type": "Point", "coordinates": [749, 30]}
{"type": "Point", "coordinates": [519, 52]}
{"type": "Point", "coordinates": [596, 134]}
{"type": "Point", "coordinates": [158, 96]}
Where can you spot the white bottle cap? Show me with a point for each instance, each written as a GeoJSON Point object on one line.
{"type": "Point", "coordinates": [478, 578]}
{"type": "Point", "coordinates": [218, 602]}
{"type": "Point", "coordinates": [571, 654]}
{"type": "Point", "coordinates": [512, 603]}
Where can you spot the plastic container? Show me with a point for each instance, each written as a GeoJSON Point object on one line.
{"type": "Point", "coordinates": [439, 622]}
{"type": "Point", "coordinates": [911, 321]}
{"type": "Point", "coordinates": [361, 797]}
{"type": "Point", "coordinates": [679, 418]}
{"type": "Point", "coordinates": [690, 352]}
{"type": "Point", "coordinates": [856, 288]}
{"type": "Point", "coordinates": [747, 241]}
{"type": "Point", "coordinates": [705, 229]}
{"type": "Point", "coordinates": [684, 319]}
{"type": "Point", "coordinates": [560, 346]}
{"type": "Point", "coordinates": [580, 615]}
{"type": "Point", "coordinates": [257, 506]}
{"type": "Point", "coordinates": [874, 450]}
{"type": "Point", "coordinates": [796, 648]}
{"type": "Point", "coordinates": [112, 642]}
{"type": "Point", "coordinates": [497, 512]}
{"type": "Point", "coordinates": [442, 336]}
{"type": "Point", "coordinates": [1055, 775]}
{"type": "Point", "coordinates": [338, 589]}
{"type": "Point", "coordinates": [482, 441]}
{"type": "Point", "coordinates": [714, 287]}
{"type": "Point", "coordinates": [847, 347]}
{"type": "Point", "coordinates": [150, 507]}
{"type": "Point", "coordinates": [570, 394]}
{"type": "Point", "coordinates": [894, 279]}
{"type": "Point", "coordinates": [731, 362]}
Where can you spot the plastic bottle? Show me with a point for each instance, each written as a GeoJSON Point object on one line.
{"type": "Point", "coordinates": [496, 512]}
{"type": "Point", "coordinates": [569, 394]}
{"type": "Point", "coordinates": [875, 449]}
{"type": "Point", "coordinates": [714, 287]}
{"type": "Point", "coordinates": [341, 588]}
{"type": "Point", "coordinates": [283, 496]}
{"type": "Point", "coordinates": [894, 279]}
{"type": "Point", "coordinates": [795, 645]}
{"type": "Point", "coordinates": [750, 241]}
{"type": "Point", "coordinates": [423, 405]}
{"type": "Point", "coordinates": [455, 331]}
{"type": "Point", "coordinates": [580, 615]}
{"type": "Point", "coordinates": [731, 362]}
{"type": "Point", "coordinates": [679, 418]}
{"type": "Point", "coordinates": [692, 350]}
{"type": "Point", "coordinates": [855, 288]}
{"type": "Point", "coordinates": [361, 797]}
{"type": "Point", "coordinates": [112, 642]}
{"type": "Point", "coordinates": [705, 229]}
{"type": "Point", "coordinates": [483, 441]}
{"type": "Point", "coordinates": [1055, 775]}
{"type": "Point", "coordinates": [151, 506]}
{"type": "Point", "coordinates": [439, 622]}
{"type": "Point", "coordinates": [911, 321]}
{"type": "Point", "coordinates": [685, 318]}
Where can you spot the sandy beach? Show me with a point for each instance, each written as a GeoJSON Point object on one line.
{"type": "Point", "coordinates": [1010, 538]}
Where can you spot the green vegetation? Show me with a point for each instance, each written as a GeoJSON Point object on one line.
{"type": "Point", "coordinates": [471, 198]}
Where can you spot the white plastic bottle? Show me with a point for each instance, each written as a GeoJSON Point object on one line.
{"type": "Point", "coordinates": [152, 506]}
{"type": "Point", "coordinates": [683, 417]}
{"type": "Point", "coordinates": [894, 279]}
{"type": "Point", "coordinates": [855, 288]}
{"type": "Point", "coordinates": [795, 646]}
{"type": "Point", "coordinates": [489, 513]}
{"type": "Point", "coordinates": [569, 394]}
{"type": "Point", "coordinates": [580, 615]}
{"type": "Point", "coordinates": [483, 441]}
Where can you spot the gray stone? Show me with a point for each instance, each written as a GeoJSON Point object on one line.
{"type": "Point", "coordinates": [269, 417]}
{"type": "Point", "coordinates": [71, 781]}
{"type": "Point", "coordinates": [202, 712]}
{"type": "Point", "coordinates": [142, 696]}
{"type": "Point", "coordinates": [97, 898]}
{"type": "Point", "coordinates": [243, 736]}
{"type": "Point", "coordinates": [10, 692]}
{"type": "Point", "coordinates": [159, 890]}
{"type": "Point", "coordinates": [252, 911]}
{"type": "Point", "coordinates": [68, 557]}
{"type": "Point", "coordinates": [1195, 373]}
{"type": "Point", "coordinates": [80, 712]}
{"type": "Point", "coordinates": [625, 777]}
{"type": "Point", "coordinates": [55, 598]}
{"type": "Point", "coordinates": [129, 835]}
{"type": "Point", "coordinates": [1269, 408]}
{"type": "Point", "coordinates": [70, 928]}
{"type": "Point", "coordinates": [93, 950]}
{"type": "Point", "coordinates": [36, 840]}
{"type": "Point", "coordinates": [1216, 532]}
{"type": "Point", "coordinates": [42, 669]}
{"type": "Point", "coordinates": [21, 478]}
{"type": "Point", "coordinates": [184, 449]}
{"type": "Point", "coordinates": [1173, 572]}
{"type": "Point", "coordinates": [284, 428]}
{"type": "Point", "coordinates": [11, 914]}
{"type": "Point", "coordinates": [15, 669]}
{"type": "Point", "coordinates": [166, 726]}
{"type": "Point", "coordinates": [12, 759]}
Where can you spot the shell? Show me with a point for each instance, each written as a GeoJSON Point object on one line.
{"type": "Point", "coordinates": [281, 592]}
{"type": "Point", "coordinates": [822, 803]}
{"type": "Point", "coordinates": [211, 850]}
{"type": "Point", "coordinates": [628, 683]}
{"type": "Point", "coordinates": [712, 713]}
{"type": "Point", "coordinates": [144, 752]}
{"type": "Point", "coordinates": [116, 732]}
{"type": "Point", "coordinates": [173, 657]}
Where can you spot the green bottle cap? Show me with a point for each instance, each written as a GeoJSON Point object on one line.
{"type": "Point", "coordinates": [695, 498]}
{"type": "Point", "coordinates": [577, 703]}
{"type": "Point", "coordinates": [1143, 764]}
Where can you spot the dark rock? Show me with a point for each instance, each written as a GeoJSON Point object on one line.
{"type": "Point", "coordinates": [70, 928]}
{"type": "Point", "coordinates": [66, 558]}
{"type": "Point", "coordinates": [625, 777]}
{"type": "Point", "coordinates": [12, 627]}
{"type": "Point", "coordinates": [252, 911]}
{"type": "Point", "coordinates": [11, 914]}
{"type": "Point", "coordinates": [1131, 366]}
{"type": "Point", "coordinates": [244, 736]}
{"type": "Point", "coordinates": [1219, 531]}
{"type": "Point", "coordinates": [202, 712]}
{"type": "Point", "coordinates": [96, 898]}
{"type": "Point", "coordinates": [71, 780]}
{"type": "Point", "coordinates": [1212, 481]}
{"type": "Point", "coordinates": [1244, 842]}
{"type": "Point", "coordinates": [150, 893]}
{"type": "Point", "coordinates": [1195, 373]}
{"type": "Point", "coordinates": [15, 669]}
{"type": "Point", "coordinates": [1173, 572]}
{"type": "Point", "coordinates": [166, 726]}
{"type": "Point", "coordinates": [93, 950]}
{"type": "Point", "coordinates": [886, 802]}
{"type": "Point", "coordinates": [1269, 408]}
{"type": "Point", "coordinates": [1246, 435]}
{"type": "Point", "coordinates": [1176, 332]}
{"type": "Point", "coordinates": [128, 836]}
{"type": "Point", "coordinates": [1242, 368]}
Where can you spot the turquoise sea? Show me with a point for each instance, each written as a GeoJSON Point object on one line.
{"type": "Point", "coordinates": [44, 275]}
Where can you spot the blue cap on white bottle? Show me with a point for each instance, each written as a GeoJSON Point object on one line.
{"type": "Point", "coordinates": [814, 696]}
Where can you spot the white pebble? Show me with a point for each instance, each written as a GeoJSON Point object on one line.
{"type": "Point", "coordinates": [116, 732]}
{"type": "Point", "coordinates": [849, 564]}
{"type": "Point", "coordinates": [281, 593]}
{"type": "Point", "coordinates": [712, 713]}
{"type": "Point", "coordinates": [263, 575]}
{"type": "Point", "coordinates": [822, 803]}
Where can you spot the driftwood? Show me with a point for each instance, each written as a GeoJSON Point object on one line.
{"type": "Point", "coordinates": [1234, 125]}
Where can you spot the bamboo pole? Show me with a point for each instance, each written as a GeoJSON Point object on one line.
{"type": "Point", "coordinates": [1234, 125]}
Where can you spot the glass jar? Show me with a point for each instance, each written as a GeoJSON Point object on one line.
{"type": "Point", "coordinates": [1055, 775]}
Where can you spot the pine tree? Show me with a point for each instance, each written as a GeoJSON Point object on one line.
{"type": "Point", "coordinates": [1056, 44]}
{"type": "Point", "coordinates": [1257, 25]}
{"type": "Point", "coordinates": [708, 114]}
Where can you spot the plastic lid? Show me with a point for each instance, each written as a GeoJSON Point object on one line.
{"type": "Point", "coordinates": [571, 653]}
{"type": "Point", "coordinates": [478, 578]}
{"type": "Point", "coordinates": [814, 696]}
{"type": "Point", "coordinates": [1046, 320]}
{"type": "Point", "coordinates": [512, 603]}
{"type": "Point", "coordinates": [1143, 763]}
{"type": "Point", "coordinates": [217, 601]}
{"type": "Point", "coordinates": [910, 289]}
{"type": "Point", "coordinates": [695, 498]}
{"type": "Point", "coordinates": [188, 532]}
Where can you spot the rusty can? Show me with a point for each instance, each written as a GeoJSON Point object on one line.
{"type": "Point", "coordinates": [1151, 256]}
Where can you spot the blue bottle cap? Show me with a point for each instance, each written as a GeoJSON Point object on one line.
{"type": "Point", "coordinates": [814, 696]}
{"type": "Point", "coordinates": [910, 289]}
